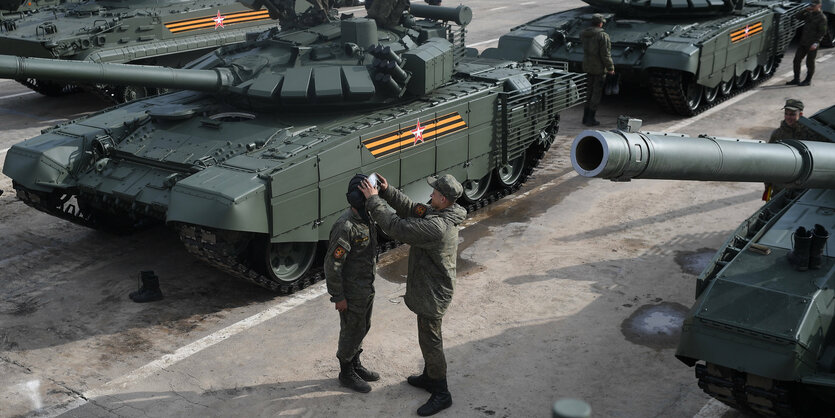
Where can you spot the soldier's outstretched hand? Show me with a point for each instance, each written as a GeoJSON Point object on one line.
{"type": "Point", "coordinates": [367, 189]}
{"type": "Point", "coordinates": [382, 183]}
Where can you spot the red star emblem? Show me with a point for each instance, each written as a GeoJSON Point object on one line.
{"type": "Point", "coordinates": [418, 133]}
{"type": "Point", "coordinates": [219, 20]}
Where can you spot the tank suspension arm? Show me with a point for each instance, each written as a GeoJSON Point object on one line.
{"type": "Point", "coordinates": [119, 74]}
{"type": "Point", "coordinates": [622, 156]}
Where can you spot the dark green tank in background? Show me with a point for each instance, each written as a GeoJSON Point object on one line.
{"type": "Point", "coordinates": [689, 55]}
{"type": "Point", "coordinates": [149, 32]}
{"type": "Point", "coordinates": [252, 172]}
{"type": "Point", "coordinates": [760, 333]}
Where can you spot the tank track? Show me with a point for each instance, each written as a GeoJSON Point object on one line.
{"type": "Point", "coordinates": [750, 394]}
{"type": "Point", "coordinates": [49, 88]}
{"type": "Point", "coordinates": [667, 91]}
{"type": "Point", "coordinates": [209, 246]}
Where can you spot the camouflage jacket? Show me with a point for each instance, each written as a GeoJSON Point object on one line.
{"type": "Point", "coordinates": [433, 237]}
{"type": "Point", "coordinates": [350, 263]}
{"type": "Point", "coordinates": [813, 29]}
{"type": "Point", "coordinates": [789, 132]}
{"type": "Point", "coordinates": [597, 51]}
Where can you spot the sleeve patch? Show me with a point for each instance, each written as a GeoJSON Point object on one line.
{"type": "Point", "coordinates": [420, 210]}
{"type": "Point", "coordinates": [339, 252]}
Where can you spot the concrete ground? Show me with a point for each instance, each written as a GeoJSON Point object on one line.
{"type": "Point", "coordinates": [570, 288]}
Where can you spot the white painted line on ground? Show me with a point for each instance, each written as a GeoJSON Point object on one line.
{"type": "Point", "coordinates": [712, 409]}
{"type": "Point", "coordinates": [25, 93]}
{"type": "Point", "coordinates": [189, 350]}
{"type": "Point", "coordinates": [497, 9]}
{"type": "Point", "coordinates": [824, 58]}
{"type": "Point", "coordinates": [483, 42]}
{"type": "Point", "coordinates": [527, 3]}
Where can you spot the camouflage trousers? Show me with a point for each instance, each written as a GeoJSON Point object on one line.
{"type": "Point", "coordinates": [354, 324]}
{"type": "Point", "coordinates": [432, 346]}
{"type": "Point", "coordinates": [804, 52]}
{"type": "Point", "coordinates": [594, 90]}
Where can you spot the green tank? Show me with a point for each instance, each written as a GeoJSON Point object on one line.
{"type": "Point", "coordinates": [148, 32]}
{"type": "Point", "coordinates": [689, 55]}
{"type": "Point", "coordinates": [251, 162]}
{"type": "Point", "coordinates": [760, 333]}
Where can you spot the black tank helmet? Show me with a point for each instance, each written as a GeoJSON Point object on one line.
{"type": "Point", "coordinates": [355, 197]}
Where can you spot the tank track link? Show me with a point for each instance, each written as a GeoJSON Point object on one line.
{"type": "Point", "coordinates": [211, 248]}
{"type": "Point", "coordinates": [667, 91]}
{"type": "Point", "coordinates": [750, 394]}
{"type": "Point", "coordinates": [49, 88]}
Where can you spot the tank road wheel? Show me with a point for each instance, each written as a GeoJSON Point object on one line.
{"type": "Point", "coordinates": [475, 189]}
{"type": "Point", "coordinates": [726, 87]}
{"type": "Point", "coordinates": [509, 174]}
{"type": "Point", "coordinates": [769, 67]}
{"type": "Point", "coordinates": [711, 94]}
{"type": "Point", "coordinates": [287, 262]}
{"type": "Point", "coordinates": [130, 93]}
{"type": "Point", "coordinates": [756, 73]}
{"type": "Point", "coordinates": [693, 93]}
{"type": "Point", "coordinates": [741, 80]}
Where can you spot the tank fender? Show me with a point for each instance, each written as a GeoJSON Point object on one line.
{"type": "Point", "coordinates": [223, 198]}
{"type": "Point", "coordinates": [673, 55]}
{"type": "Point", "coordinates": [48, 161]}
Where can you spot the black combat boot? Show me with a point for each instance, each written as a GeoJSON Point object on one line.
{"type": "Point", "coordinates": [799, 257]}
{"type": "Point", "coordinates": [420, 381]}
{"type": "Point", "coordinates": [350, 379]}
{"type": "Point", "coordinates": [806, 82]}
{"type": "Point", "coordinates": [819, 237]}
{"type": "Point", "coordinates": [362, 372]}
{"type": "Point", "coordinates": [592, 121]}
{"type": "Point", "coordinates": [441, 398]}
{"type": "Point", "coordinates": [795, 81]}
{"type": "Point", "coordinates": [149, 289]}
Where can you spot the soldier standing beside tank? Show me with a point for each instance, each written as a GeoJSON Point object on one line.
{"type": "Point", "coordinates": [432, 233]}
{"type": "Point", "coordinates": [597, 62]}
{"type": "Point", "coordinates": [350, 265]}
{"type": "Point", "coordinates": [813, 31]}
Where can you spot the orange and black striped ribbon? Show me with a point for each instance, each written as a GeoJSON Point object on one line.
{"type": "Point", "coordinates": [746, 32]}
{"type": "Point", "coordinates": [402, 139]}
{"type": "Point", "coordinates": [208, 21]}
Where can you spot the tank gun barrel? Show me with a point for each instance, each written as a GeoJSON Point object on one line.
{"type": "Point", "coordinates": [622, 156]}
{"type": "Point", "coordinates": [120, 74]}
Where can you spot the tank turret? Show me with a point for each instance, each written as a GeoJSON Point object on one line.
{"type": "Point", "coordinates": [250, 158]}
{"type": "Point", "coordinates": [689, 55]}
{"type": "Point", "coordinates": [760, 333]}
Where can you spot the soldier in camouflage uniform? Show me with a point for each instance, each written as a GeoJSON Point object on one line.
{"type": "Point", "coordinates": [813, 31]}
{"type": "Point", "coordinates": [350, 266]}
{"type": "Point", "coordinates": [789, 128]}
{"type": "Point", "coordinates": [597, 62]}
{"type": "Point", "coordinates": [432, 233]}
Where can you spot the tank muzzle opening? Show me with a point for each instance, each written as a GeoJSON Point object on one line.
{"type": "Point", "coordinates": [589, 153]}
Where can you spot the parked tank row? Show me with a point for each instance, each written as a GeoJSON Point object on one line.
{"type": "Point", "coordinates": [248, 159]}
{"type": "Point", "coordinates": [167, 33]}
{"type": "Point", "coordinates": [688, 55]}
